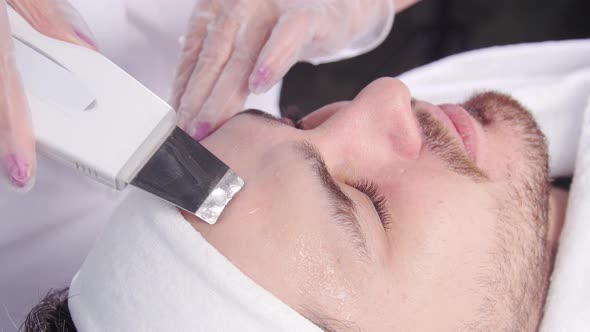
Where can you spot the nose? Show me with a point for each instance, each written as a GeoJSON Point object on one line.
{"type": "Point", "coordinates": [378, 122]}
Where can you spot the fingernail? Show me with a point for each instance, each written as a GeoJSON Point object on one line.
{"type": "Point", "coordinates": [18, 170]}
{"type": "Point", "coordinates": [85, 39]}
{"type": "Point", "coordinates": [260, 80]}
{"type": "Point", "coordinates": [201, 131]}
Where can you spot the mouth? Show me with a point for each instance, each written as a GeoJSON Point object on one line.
{"type": "Point", "coordinates": [458, 123]}
{"type": "Point", "coordinates": [465, 126]}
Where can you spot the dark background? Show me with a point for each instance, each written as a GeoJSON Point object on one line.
{"type": "Point", "coordinates": [428, 31]}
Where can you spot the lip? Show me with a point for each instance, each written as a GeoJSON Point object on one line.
{"type": "Point", "coordinates": [465, 127]}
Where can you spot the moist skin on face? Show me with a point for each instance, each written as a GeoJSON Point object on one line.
{"type": "Point", "coordinates": [514, 280]}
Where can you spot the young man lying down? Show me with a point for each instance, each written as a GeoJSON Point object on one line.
{"type": "Point", "coordinates": [379, 214]}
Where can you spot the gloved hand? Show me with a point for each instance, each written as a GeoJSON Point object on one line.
{"type": "Point", "coordinates": [57, 19]}
{"type": "Point", "coordinates": [235, 47]}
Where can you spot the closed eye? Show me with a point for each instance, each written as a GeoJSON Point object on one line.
{"type": "Point", "coordinates": [379, 202]}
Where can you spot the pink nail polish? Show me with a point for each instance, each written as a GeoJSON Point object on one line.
{"type": "Point", "coordinates": [18, 170]}
{"type": "Point", "coordinates": [202, 130]}
{"type": "Point", "coordinates": [260, 80]}
{"type": "Point", "coordinates": [85, 39]}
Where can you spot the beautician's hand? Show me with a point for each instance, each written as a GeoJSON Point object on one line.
{"type": "Point", "coordinates": [235, 47]}
{"type": "Point", "coordinates": [57, 19]}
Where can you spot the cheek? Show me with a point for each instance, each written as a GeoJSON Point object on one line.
{"type": "Point", "coordinates": [497, 160]}
{"type": "Point", "coordinates": [502, 156]}
{"type": "Point", "coordinates": [443, 233]}
{"type": "Point", "coordinates": [440, 210]}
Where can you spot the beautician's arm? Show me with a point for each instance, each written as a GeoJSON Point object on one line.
{"type": "Point", "coordinates": [17, 146]}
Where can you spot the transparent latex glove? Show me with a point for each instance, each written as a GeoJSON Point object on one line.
{"type": "Point", "coordinates": [236, 47]}
{"type": "Point", "coordinates": [57, 19]}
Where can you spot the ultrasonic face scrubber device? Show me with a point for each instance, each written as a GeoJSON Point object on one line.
{"type": "Point", "coordinates": [91, 114]}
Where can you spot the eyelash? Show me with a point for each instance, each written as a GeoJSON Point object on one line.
{"type": "Point", "coordinates": [372, 191]}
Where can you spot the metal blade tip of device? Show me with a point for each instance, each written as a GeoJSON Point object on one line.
{"type": "Point", "coordinates": [186, 174]}
{"type": "Point", "coordinates": [213, 205]}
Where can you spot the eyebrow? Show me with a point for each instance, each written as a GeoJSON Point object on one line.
{"type": "Point", "coordinates": [344, 208]}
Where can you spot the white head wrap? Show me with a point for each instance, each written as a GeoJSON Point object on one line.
{"type": "Point", "coordinates": [152, 271]}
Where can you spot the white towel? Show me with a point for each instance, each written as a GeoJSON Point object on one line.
{"type": "Point", "coordinates": [151, 270]}
{"type": "Point", "coordinates": [553, 80]}
{"type": "Point", "coordinates": [568, 301]}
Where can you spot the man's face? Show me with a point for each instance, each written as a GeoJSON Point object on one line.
{"type": "Point", "coordinates": [388, 214]}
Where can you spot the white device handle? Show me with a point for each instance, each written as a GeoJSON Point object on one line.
{"type": "Point", "coordinates": [113, 138]}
